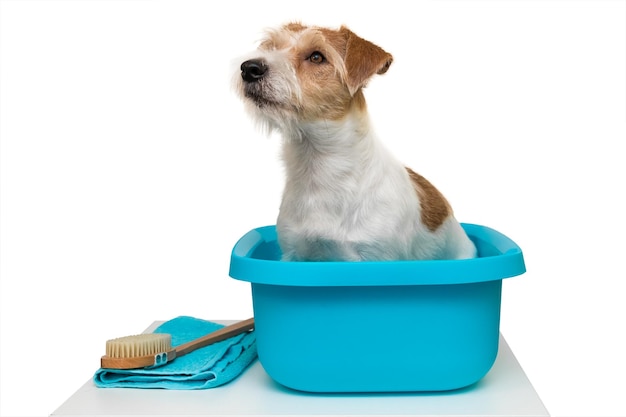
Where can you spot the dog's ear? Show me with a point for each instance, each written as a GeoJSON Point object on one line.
{"type": "Point", "coordinates": [362, 60]}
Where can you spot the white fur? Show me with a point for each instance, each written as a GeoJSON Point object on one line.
{"type": "Point", "coordinates": [346, 198]}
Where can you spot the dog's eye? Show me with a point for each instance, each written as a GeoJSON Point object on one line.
{"type": "Point", "coordinates": [317, 57]}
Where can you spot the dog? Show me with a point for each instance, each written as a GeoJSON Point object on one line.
{"type": "Point", "coordinates": [346, 198]}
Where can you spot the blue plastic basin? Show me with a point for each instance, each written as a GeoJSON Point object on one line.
{"type": "Point", "coordinates": [392, 326]}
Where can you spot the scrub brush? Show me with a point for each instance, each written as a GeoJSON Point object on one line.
{"type": "Point", "coordinates": [155, 349]}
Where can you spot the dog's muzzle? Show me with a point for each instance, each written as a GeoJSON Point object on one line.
{"type": "Point", "coordinates": [253, 70]}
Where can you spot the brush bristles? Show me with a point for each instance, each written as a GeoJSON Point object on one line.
{"type": "Point", "coordinates": [139, 345]}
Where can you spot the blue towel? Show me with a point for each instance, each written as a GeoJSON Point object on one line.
{"type": "Point", "coordinates": [207, 367]}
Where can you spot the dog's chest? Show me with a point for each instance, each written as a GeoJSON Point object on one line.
{"type": "Point", "coordinates": [337, 208]}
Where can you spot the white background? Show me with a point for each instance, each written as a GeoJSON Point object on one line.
{"type": "Point", "coordinates": [129, 170]}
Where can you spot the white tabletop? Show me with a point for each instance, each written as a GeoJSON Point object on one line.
{"type": "Point", "coordinates": [505, 391]}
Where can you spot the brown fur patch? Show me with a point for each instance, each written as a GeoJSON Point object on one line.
{"type": "Point", "coordinates": [435, 207]}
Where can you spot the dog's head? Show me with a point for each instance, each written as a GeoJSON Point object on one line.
{"type": "Point", "coordinates": [304, 74]}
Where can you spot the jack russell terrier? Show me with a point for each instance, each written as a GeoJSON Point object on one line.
{"type": "Point", "coordinates": [346, 198]}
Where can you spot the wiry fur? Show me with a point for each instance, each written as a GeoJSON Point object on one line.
{"type": "Point", "coordinates": [346, 197]}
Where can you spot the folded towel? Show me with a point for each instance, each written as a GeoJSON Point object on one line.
{"type": "Point", "coordinates": [207, 367]}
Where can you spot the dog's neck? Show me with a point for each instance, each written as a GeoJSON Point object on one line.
{"type": "Point", "coordinates": [331, 135]}
{"type": "Point", "coordinates": [329, 152]}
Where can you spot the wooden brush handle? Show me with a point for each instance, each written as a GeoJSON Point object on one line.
{"type": "Point", "coordinates": [217, 336]}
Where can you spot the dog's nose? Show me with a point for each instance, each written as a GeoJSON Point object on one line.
{"type": "Point", "coordinates": [253, 70]}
